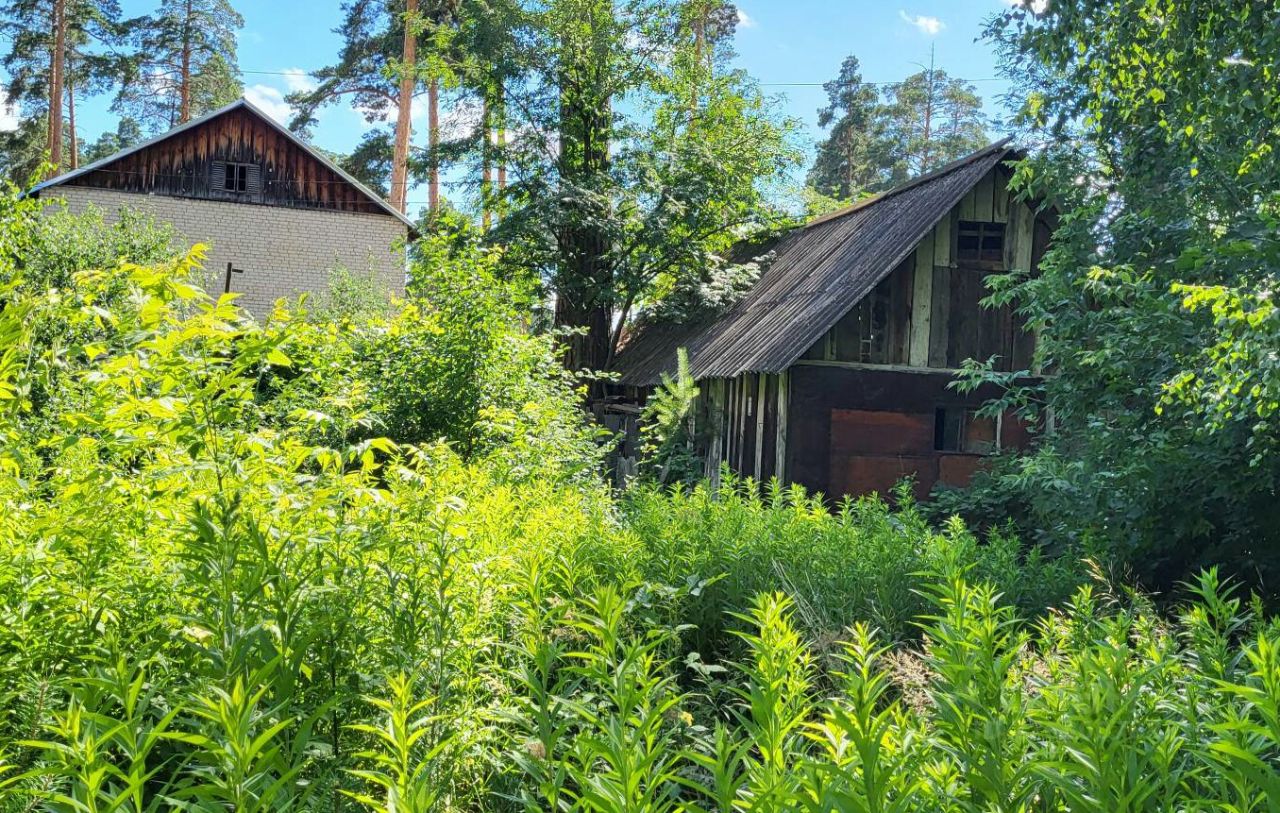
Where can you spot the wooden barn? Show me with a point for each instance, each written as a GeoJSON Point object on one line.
{"type": "Point", "coordinates": [833, 371]}
{"type": "Point", "coordinates": [277, 215]}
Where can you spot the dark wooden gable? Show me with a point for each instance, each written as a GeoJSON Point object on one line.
{"type": "Point", "coordinates": [265, 166]}
{"type": "Point", "coordinates": [928, 312]}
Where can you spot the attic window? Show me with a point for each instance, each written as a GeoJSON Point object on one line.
{"type": "Point", "coordinates": [981, 242]}
{"type": "Point", "coordinates": [238, 179]}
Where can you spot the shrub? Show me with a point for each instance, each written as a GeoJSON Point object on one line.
{"type": "Point", "coordinates": [222, 589]}
{"type": "Point", "coordinates": [863, 562]}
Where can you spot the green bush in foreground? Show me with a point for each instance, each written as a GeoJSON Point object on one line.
{"type": "Point", "coordinates": [222, 589]}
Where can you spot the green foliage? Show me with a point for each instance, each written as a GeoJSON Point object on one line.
{"type": "Point", "coordinates": [860, 563]}
{"type": "Point", "coordinates": [879, 139]}
{"type": "Point", "coordinates": [1149, 305]}
{"type": "Point", "coordinates": [667, 424]}
{"type": "Point", "coordinates": [222, 588]}
{"type": "Point", "coordinates": [184, 63]}
{"type": "Point", "coordinates": [640, 157]}
{"type": "Point", "coordinates": [62, 244]}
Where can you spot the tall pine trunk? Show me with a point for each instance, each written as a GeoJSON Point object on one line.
{"type": "Point", "coordinates": [73, 141]}
{"type": "Point", "coordinates": [501, 114]}
{"type": "Point", "coordinates": [486, 163]}
{"type": "Point", "coordinates": [404, 113]}
{"type": "Point", "coordinates": [184, 70]}
{"type": "Point", "coordinates": [585, 277]}
{"type": "Point", "coordinates": [57, 87]}
{"type": "Point", "coordinates": [433, 144]}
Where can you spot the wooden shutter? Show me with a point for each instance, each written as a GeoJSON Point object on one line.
{"type": "Point", "coordinates": [253, 180]}
{"type": "Point", "coordinates": [218, 176]}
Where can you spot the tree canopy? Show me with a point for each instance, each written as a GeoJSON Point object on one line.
{"type": "Point", "coordinates": [1156, 123]}
{"type": "Point", "coordinates": [877, 138]}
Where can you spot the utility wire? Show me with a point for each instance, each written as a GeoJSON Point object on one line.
{"type": "Point", "coordinates": [310, 75]}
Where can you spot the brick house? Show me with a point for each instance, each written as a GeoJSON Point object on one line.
{"type": "Point", "coordinates": [277, 215]}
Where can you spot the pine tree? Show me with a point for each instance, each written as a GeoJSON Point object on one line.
{"type": "Point", "coordinates": [930, 119]}
{"type": "Point", "coordinates": [186, 63]}
{"type": "Point", "coordinates": [377, 73]}
{"type": "Point", "coordinates": [127, 133]}
{"type": "Point", "coordinates": [850, 160]}
{"type": "Point", "coordinates": [485, 61]}
{"type": "Point", "coordinates": [878, 140]}
{"type": "Point", "coordinates": [60, 51]}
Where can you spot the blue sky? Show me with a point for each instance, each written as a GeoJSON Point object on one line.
{"type": "Point", "coordinates": [790, 46]}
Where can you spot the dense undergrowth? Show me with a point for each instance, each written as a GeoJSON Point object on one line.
{"type": "Point", "coordinates": [363, 563]}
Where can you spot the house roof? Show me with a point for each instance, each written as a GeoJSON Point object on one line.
{"type": "Point", "coordinates": [240, 104]}
{"type": "Point", "coordinates": [820, 272]}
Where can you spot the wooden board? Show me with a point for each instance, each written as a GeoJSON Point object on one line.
{"type": "Point", "coordinates": [958, 469]}
{"type": "Point", "coordinates": [940, 316]}
{"type": "Point", "coordinates": [965, 328]}
{"type": "Point", "coordinates": [942, 240]}
{"type": "Point", "coordinates": [983, 198]}
{"type": "Point", "coordinates": [901, 291]}
{"type": "Point", "coordinates": [1000, 203]}
{"type": "Point", "coordinates": [921, 303]}
{"type": "Point", "coordinates": [969, 206]}
{"type": "Point", "coordinates": [184, 165]}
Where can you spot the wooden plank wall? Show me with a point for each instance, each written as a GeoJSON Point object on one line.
{"type": "Point", "coordinates": [851, 430]}
{"type": "Point", "coordinates": [182, 166]}
{"type": "Point", "coordinates": [936, 319]}
{"type": "Point", "coordinates": [747, 424]}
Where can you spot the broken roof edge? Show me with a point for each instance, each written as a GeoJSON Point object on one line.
{"type": "Point", "coordinates": [241, 103]}
{"type": "Point", "coordinates": [950, 166]}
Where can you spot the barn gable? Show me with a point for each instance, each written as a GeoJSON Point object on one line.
{"type": "Point", "coordinates": [836, 369]}
{"type": "Point", "coordinates": [237, 154]}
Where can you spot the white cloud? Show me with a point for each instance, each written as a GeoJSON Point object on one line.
{"type": "Point", "coordinates": [1035, 6]}
{"type": "Point", "coordinates": [298, 80]}
{"type": "Point", "coordinates": [745, 20]}
{"type": "Point", "coordinates": [929, 25]}
{"type": "Point", "coordinates": [270, 101]}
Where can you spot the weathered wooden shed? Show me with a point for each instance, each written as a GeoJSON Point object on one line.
{"type": "Point", "coordinates": [833, 371]}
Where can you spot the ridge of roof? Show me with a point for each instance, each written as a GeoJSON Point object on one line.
{"type": "Point", "coordinates": [950, 166]}
{"type": "Point", "coordinates": [238, 104]}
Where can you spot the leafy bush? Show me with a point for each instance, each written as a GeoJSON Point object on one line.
{"type": "Point", "coordinates": [60, 244]}
{"type": "Point", "coordinates": [222, 589]}
{"type": "Point", "coordinates": [451, 364]}
{"type": "Point", "coordinates": [863, 562]}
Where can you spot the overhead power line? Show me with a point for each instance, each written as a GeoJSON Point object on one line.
{"type": "Point", "coordinates": [762, 84]}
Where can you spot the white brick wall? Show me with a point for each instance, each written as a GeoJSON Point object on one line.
{"type": "Point", "coordinates": [284, 252]}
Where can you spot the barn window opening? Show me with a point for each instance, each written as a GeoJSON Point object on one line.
{"type": "Point", "coordinates": [957, 429]}
{"type": "Point", "coordinates": [980, 241]}
{"type": "Point", "coordinates": [239, 179]}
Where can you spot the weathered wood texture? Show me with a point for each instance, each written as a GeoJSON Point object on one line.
{"type": "Point", "coordinates": [743, 424]}
{"type": "Point", "coordinates": [928, 312]}
{"type": "Point", "coordinates": [184, 165]}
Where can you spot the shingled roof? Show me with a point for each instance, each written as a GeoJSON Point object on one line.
{"type": "Point", "coordinates": [820, 272]}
